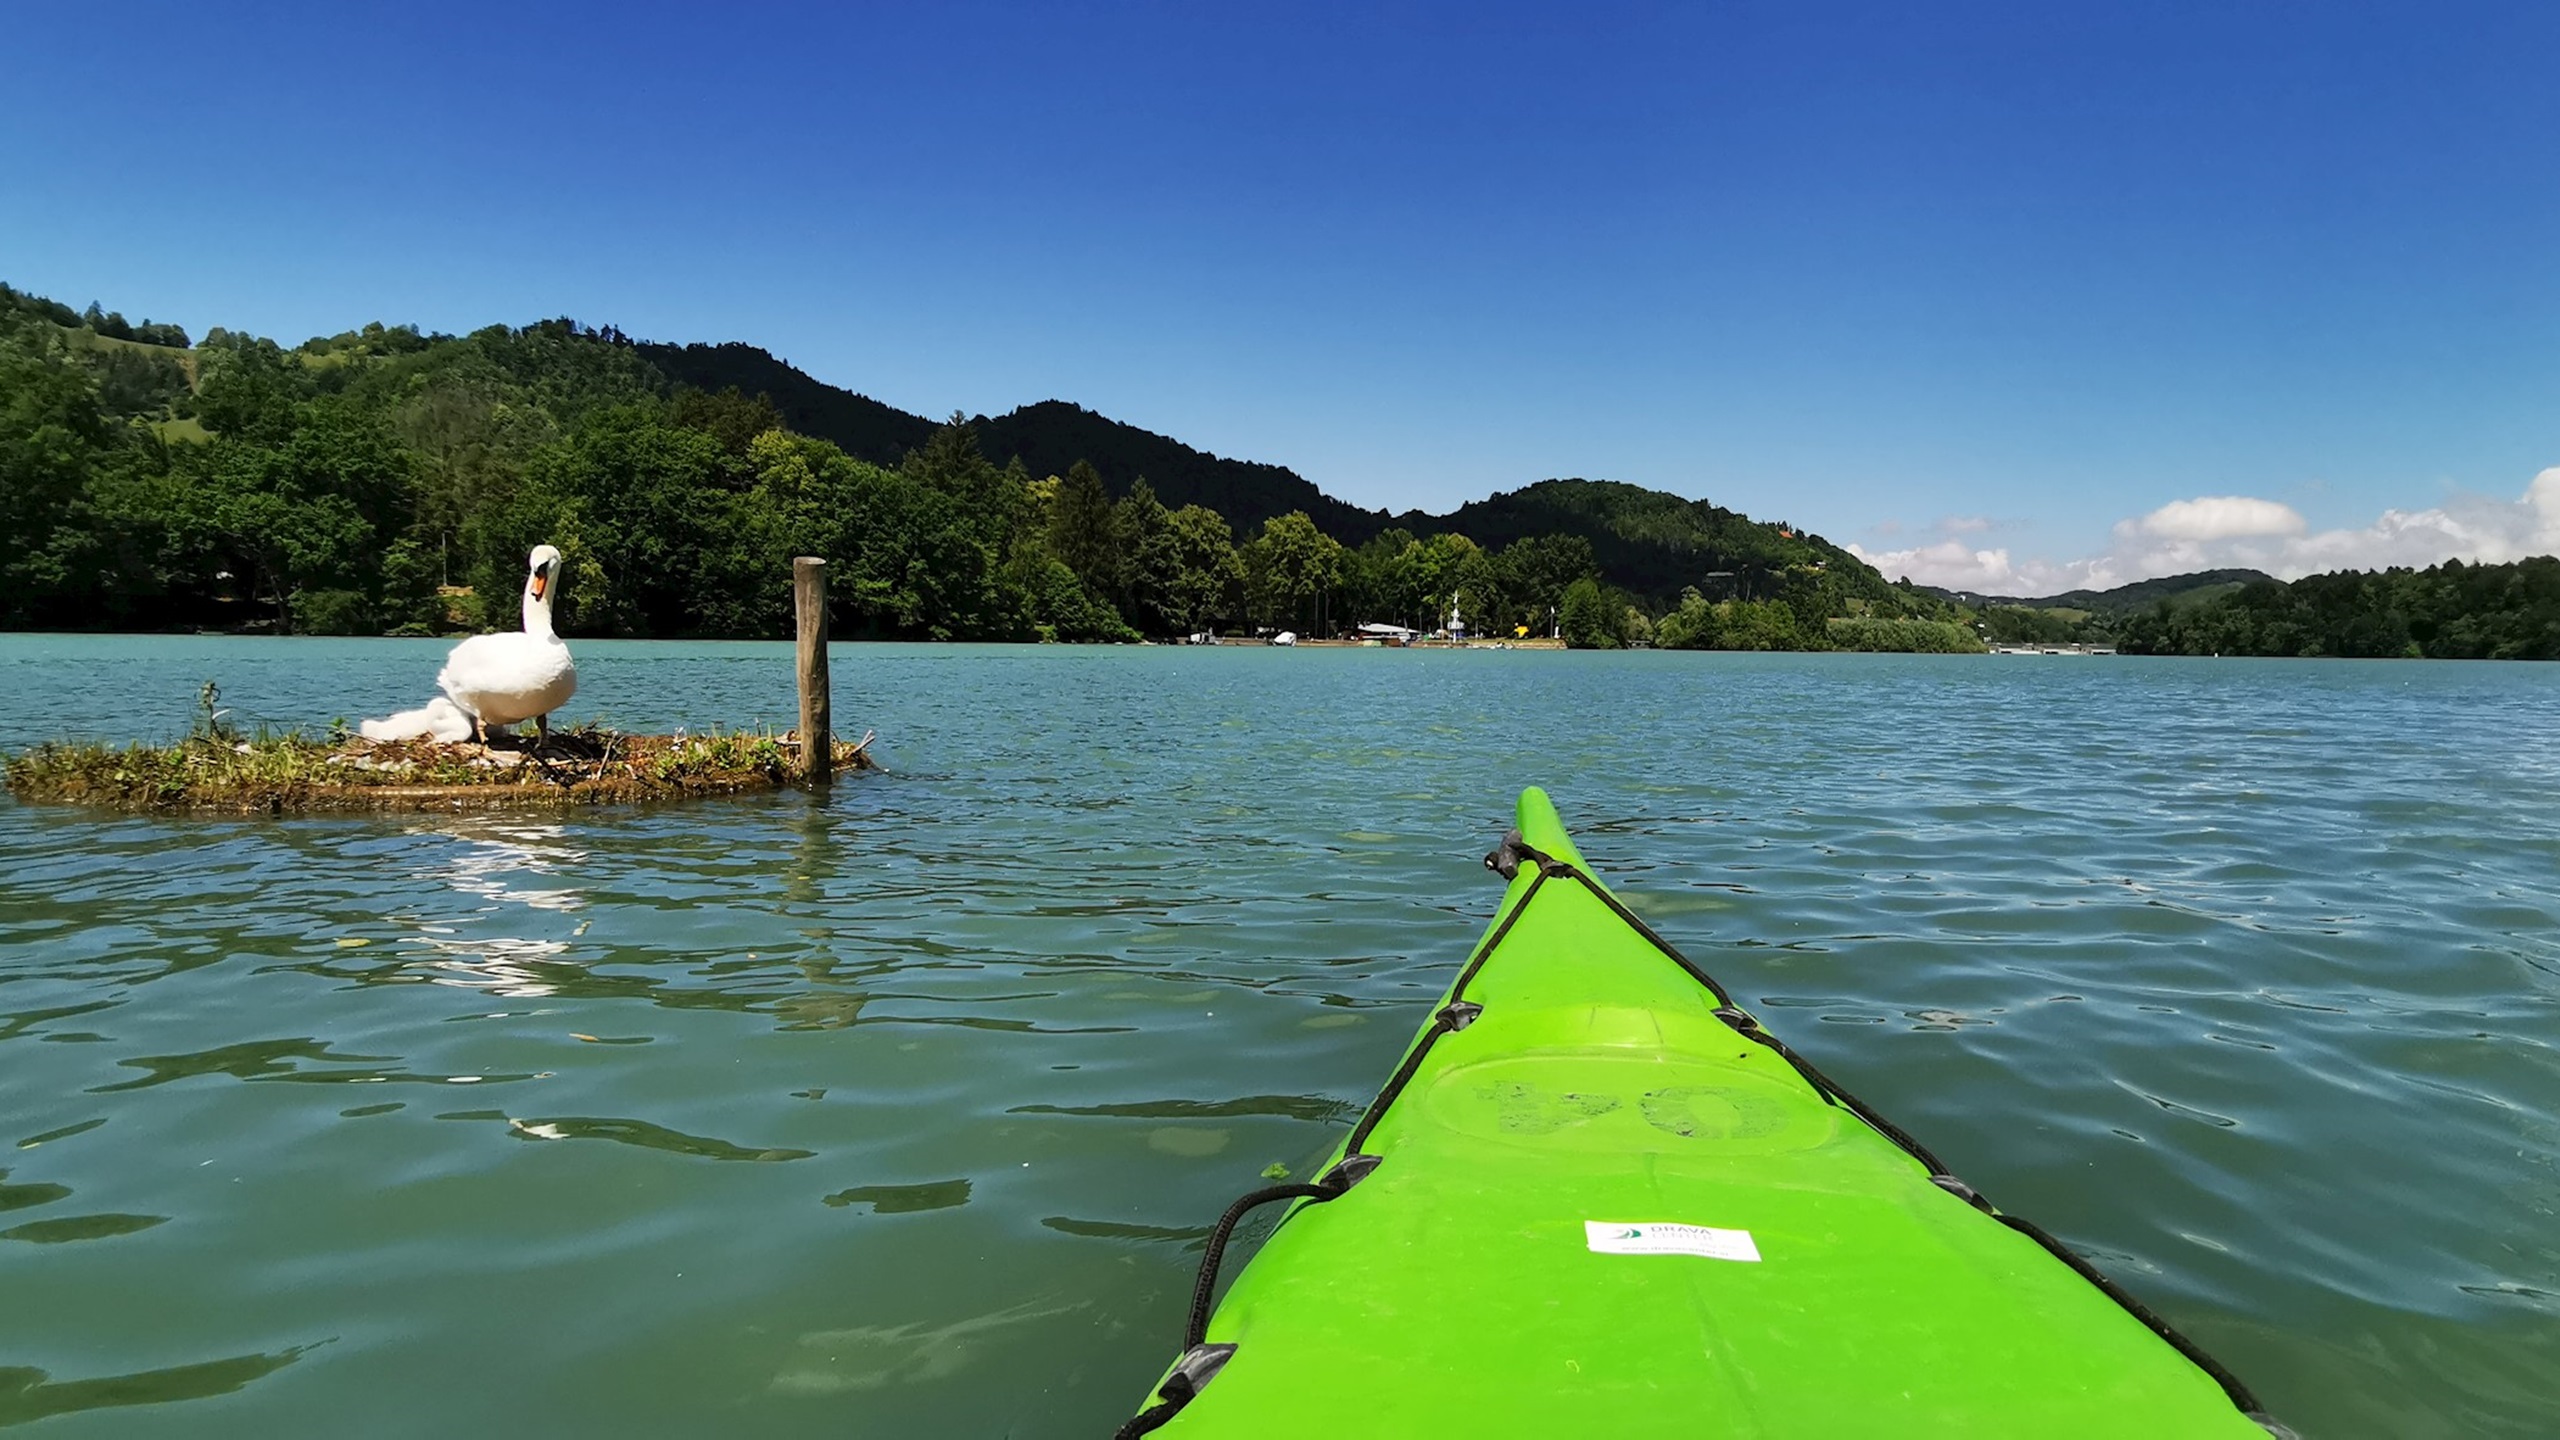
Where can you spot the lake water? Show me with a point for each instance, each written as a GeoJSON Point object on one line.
{"type": "Point", "coordinates": [901, 1111]}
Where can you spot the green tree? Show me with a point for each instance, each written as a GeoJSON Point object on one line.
{"type": "Point", "coordinates": [1376, 583]}
{"type": "Point", "coordinates": [1588, 619]}
{"type": "Point", "coordinates": [1535, 573]}
{"type": "Point", "coordinates": [1759, 625]}
{"type": "Point", "coordinates": [1208, 582]}
{"type": "Point", "coordinates": [1150, 559]}
{"type": "Point", "coordinates": [247, 390]}
{"type": "Point", "coordinates": [53, 434]}
{"type": "Point", "coordinates": [249, 510]}
{"type": "Point", "coordinates": [730, 417]}
{"type": "Point", "coordinates": [650, 503]}
{"type": "Point", "coordinates": [1694, 626]}
{"type": "Point", "coordinates": [1635, 628]}
{"type": "Point", "coordinates": [1289, 570]}
{"type": "Point", "coordinates": [1080, 529]}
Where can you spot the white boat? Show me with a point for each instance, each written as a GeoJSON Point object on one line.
{"type": "Point", "coordinates": [1285, 637]}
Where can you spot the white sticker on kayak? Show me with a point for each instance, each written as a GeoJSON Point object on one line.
{"type": "Point", "coordinates": [1658, 1238]}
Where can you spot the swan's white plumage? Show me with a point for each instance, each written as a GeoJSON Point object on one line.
{"type": "Point", "coordinates": [438, 719]}
{"type": "Point", "coordinates": [518, 675]}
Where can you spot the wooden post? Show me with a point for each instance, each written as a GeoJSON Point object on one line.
{"type": "Point", "coordinates": [817, 721]}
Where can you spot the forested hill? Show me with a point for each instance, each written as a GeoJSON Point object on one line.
{"type": "Point", "coordinates": [1053, 435]}
{"type": "Point", "coordinates": [1650, 542]}
{"type": "Point", "coordinates": [2451, 611]}
{"type": "Point", "coordinates": [862, 426]}
{"type": "Point", "coordinates": [386, 479]}
{"type": "Point", "coordinates": [1656, 544]}
{"type": "Point", "coordinates": [2190, 588]}
{"type": "Point", "coordinates": [1050, 437]}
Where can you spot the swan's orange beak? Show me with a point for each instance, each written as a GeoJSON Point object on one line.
{"type": "Point", "coordinates": [541, 582]}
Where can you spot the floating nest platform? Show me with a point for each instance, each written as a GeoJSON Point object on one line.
{"type": "Point", "coordinates": [297, 774]}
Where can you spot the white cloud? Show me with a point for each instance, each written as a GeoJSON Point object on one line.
{"type": "Point", "coordinates": [1964, 524]}
{"type": "Point", "coordinates": [1954, 565]}
{"type": "Point", "coordinates": [2218, 532]}
{"type": "Point", "coordinates": [2217, 517]}
{"type": "Point", "coordinates": [1948, 564]}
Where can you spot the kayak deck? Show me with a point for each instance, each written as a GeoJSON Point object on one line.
{"type": "Point", "coordinates": [1470, 1283]}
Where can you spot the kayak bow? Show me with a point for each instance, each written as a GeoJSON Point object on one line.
{"type": "Point", "coordinates": [1596, 1197]}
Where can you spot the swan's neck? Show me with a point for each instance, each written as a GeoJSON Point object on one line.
{"type": "Point", "coordinates": [537, 617]}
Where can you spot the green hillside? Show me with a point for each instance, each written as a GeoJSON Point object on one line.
{"type": "Point", "coordinates": [1654, 543]}
{"type": "Point", "coordinates": [143, 372]}
{"type": "Point", "coordinates": [2089, 617]}
{"type": "Point", "coordinates": [344, 485]}
{"type": "Point", "coordinates": [2189, 589]}
{"type": "Point", "coordinates": [2185, 589]}
{"type": "Point", "coordinates": [859, 425]}
{"type": "Point", "coordinates": [1052, 435]}
{"type": "Point", "coordinates": [1650, 543]}
{"type": "Point", "coordinates": [2452, 611]}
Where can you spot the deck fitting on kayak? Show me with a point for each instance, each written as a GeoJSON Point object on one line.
{"type": "Point", "coordinates": [1459, 1014]}
{"type": "Point", "coordinates": [1352, 1170]}
{"type": "Point", "coordinates": [1201, 1364]}
{"type": "Point", "coordinates": [1961, 1191]}
{"type": "Point", "coordinates": [1198, 1366]}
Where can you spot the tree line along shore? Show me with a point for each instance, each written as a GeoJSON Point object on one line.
{"type": "Point", "coordinates": [387, 481]}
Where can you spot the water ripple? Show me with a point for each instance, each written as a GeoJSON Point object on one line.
{"type": "Point", "coordinates": [2244, 978]}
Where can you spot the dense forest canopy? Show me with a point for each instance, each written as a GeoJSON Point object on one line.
{"type": "Point", "coordinates": [2451, 611]}
{"type": "Point", "coordinates": [384, 480]}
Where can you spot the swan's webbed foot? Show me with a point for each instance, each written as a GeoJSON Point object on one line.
{"type": "Point", "coordinates": [542, 743]}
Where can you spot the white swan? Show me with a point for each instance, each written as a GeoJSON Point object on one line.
{"type": "Point", "coordinates": [438, 719]}
{"type": "Point", "coordinates": [516, 675]}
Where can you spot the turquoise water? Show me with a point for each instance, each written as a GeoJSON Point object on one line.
{"type": "Point", "coordinates": [902, 1111]}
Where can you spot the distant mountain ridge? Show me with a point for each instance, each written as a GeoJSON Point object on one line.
{"type": "Point", "coordinates": [865, 428]}
{"type": "Point", "coordinates": [2191, 588]}
{"type": "Point", "coordinates": [1054, 434]}
{"type": "Point", "coordinates": [1050, 436]}
{"type": "Point", "coordinates": [1652, 542]}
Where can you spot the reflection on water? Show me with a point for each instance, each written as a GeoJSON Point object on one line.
{"type": "Point", "coordinates": [2176, 959]}
{"type": "Point", "coordinates": [28, 1394]}
{"type": "Point", "coordinates": [20, 1197]}
{"type": "Point", "coordinates": [873, 1357]}
{"type": "Point", "coordinates": [646, 1136]}
{"type": "Point", "coordinates": [1192, 1237]}
{"type": "Point", "coordinates": [80, 1227]}
{"type": "Point", "coordinates": [501, 965]}
{"type": "Point", "coordinates": [904, 1199]}
{"type": "Point", "coordinates": [254, 1060]}
{"type": "Point", "coordinates": [486, 855]}
{"type": "Point", "coordinates": [491, 857]}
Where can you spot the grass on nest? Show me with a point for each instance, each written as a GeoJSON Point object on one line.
{"type": "Point", "coordinates": [214, 771]}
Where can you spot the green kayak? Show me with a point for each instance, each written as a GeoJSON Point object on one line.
{"type": "Point", "coordinates": [1597, 1199]}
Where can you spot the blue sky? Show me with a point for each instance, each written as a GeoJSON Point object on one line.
{"type": "Point", "coordinates": [1988, 290]}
